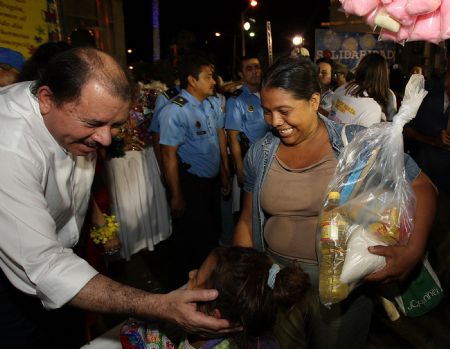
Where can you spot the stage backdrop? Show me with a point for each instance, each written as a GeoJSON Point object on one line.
{"type": "Point", "coordinates": [26, 24]}
{"type": "Point", "coordinates": [348, 47]}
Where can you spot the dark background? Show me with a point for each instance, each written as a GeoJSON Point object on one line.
{"type": "Point", "coordinates": [196, 21]}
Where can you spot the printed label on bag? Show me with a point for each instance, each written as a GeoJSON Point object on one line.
{"type": "Point", "coordinates": [417, 303]}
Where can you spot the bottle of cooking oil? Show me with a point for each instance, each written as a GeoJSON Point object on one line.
{"type": "Point", "coordinates": [333, 229]}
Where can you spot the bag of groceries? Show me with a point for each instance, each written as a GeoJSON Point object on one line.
{"type": "Point", "coordinates": [369, 202]}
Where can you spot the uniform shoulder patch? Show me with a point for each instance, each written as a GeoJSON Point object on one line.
{"type": "Point", "coordinates": [180, 101]}
{"type": "Point", "coordinates": [171, 92]}
{"type": "Point", "coordinates": [236, 93]}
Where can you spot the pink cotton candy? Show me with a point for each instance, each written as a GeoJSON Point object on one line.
{"type": "Point", "coordinates": [397, 10]}
{"type": "Point", "coordinates": [370, 17]}
{"type": "Point", "coordinates": [427, 28]}
{"type": "Point", "coordinates": [445, 19]}
{"type": "Point", "coordinates": [400, 36]}
{"type": "Point", "coordinates": [421, 7]}
{"type": "Point", "coordinates": [359, 7]}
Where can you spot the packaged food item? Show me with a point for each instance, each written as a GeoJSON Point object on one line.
{"type": "Point", "coordinates": [369, 202]}
{"type": "Point", "coordinates": [333, 230]}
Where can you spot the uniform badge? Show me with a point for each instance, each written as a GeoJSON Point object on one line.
{"type": "Point", "coordinates": [198, 124]}
{"type": "Point", "coordinates": [250, 108]}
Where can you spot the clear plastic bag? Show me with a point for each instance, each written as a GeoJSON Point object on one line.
{"type": "Point", "coordinates": [369, 202]}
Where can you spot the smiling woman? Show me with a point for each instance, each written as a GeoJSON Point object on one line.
{"type": "Point", "coordinates": [286, 175]}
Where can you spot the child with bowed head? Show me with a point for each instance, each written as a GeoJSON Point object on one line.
{"type": "Point", "coordinates": [251, 290]}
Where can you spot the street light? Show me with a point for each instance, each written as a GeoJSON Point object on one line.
{"type": "Point", "coordinates": [245, 25]}
{"type": "Point", "coordinates": [298, 49]}
{"type": "Point", "coordinates": [297, 40]}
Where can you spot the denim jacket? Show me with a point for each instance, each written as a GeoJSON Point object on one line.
{"type": "Point", "coordinates": [259, 159]}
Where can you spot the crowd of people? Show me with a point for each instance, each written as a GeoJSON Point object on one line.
{"type": "Point", "coordinates": [169, 156]}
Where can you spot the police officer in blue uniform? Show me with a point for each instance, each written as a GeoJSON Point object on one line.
{"type": "Point", "coordinates": [244, 120]}
{"type": "Point", "coordinates": [160, 102]}
{"type": "Point", "coordinates": [191, 157]}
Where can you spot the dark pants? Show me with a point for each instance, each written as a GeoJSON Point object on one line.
{"type": "Point", "coordinates": [197, 232]}
{"type": "Point", "coordinates": [25, 324]}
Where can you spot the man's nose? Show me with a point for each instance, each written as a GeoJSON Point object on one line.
{"type": "Point", "coordinates": [102, 135]}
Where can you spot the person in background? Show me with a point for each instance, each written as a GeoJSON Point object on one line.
{"type": "Point", "coordinates": [326, 72]}
{"type": "Point", "coordinates": [8, 75]}
{"type": "Point", "coordinates": [37, 63]}
{"type": "Point", "coordinates": [244, 120]}
{"type": "Point", "coordinates": [137, 195]}
{"type": "Point", "coordinates": [162, 99]}
{"type": "Point", "coordinates": [428, 139]}
{"type": "Point", "coordinates": [218, 101]}
{"type": "Point", "coordinates": [55, 126]}
{"type": "Point", "coordinates": [11, 63]}
{"type": "Point", "coordinates": [286, 178]}
{"type": "Point", "coordinates": [367, 99]}
{"type": "Point", "coordinates": [340, 74]}
{"type": "Point", "coordinates": [189, 127]}
{"type": "Point", "coordinates": [417, 69]}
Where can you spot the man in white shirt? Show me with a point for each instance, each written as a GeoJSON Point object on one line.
{"type": "Point", "coordinates": [49, 135]}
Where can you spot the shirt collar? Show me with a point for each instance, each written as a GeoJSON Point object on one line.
{"type": "Point", "coordinates": [190, 98]}
{"type": "Point", "coordinates": [247, 90]}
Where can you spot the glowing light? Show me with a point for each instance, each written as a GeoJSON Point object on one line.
{"type": "Point", "coordinates": [253, 3]}
{"type": "Point", "coordinates": [247, 25]}
{"type": "Point", "coordinates": [217, 34]}
{"type": "Point", "coordinates": [129, 50]}
{"type": "Point", "coordinates": [130, 67]}
{"type": "Point", "coordinates": [297, 40]}
{"type": "Point", "coordinates": [251, 34]}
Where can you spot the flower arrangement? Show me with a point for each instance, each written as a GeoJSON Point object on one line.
{"type": "Point", "coordinates": [105, 232]}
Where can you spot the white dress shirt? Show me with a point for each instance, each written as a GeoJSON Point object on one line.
{"type": "Point", "coordinates": [44, 194]}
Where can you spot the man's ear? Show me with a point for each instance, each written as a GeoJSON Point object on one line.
{"type": "Point", "coordinates": [45, 99]}
{"type": "Point", "coordinates": [191, 81]}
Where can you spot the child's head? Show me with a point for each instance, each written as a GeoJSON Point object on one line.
{"type": "Point", "coordinates": [245, 297]}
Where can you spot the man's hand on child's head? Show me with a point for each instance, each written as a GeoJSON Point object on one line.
{"type": "Point", "coordinates": [180, 306]}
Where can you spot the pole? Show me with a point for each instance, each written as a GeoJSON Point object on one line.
{"type": "Point", "coordinates": [269, 43]}
{"type": "Point", "coordinates": [243, 33]}
{"type": "Point", "coordinates": [155, 24]}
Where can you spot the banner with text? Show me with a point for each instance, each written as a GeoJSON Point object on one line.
{"type": "Point", "coordinates": [348, 48]}
{"type": "Point", "coordinates": [26, 24]}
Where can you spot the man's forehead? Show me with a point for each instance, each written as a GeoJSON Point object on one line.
{"type": "Point", "coordinates": [253, 62]}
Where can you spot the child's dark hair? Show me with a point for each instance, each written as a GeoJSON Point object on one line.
{"type": "Point", "coordinates": [245, 298]}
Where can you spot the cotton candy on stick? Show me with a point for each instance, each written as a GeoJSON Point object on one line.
{"type": "Point", "coordinates": [397, 10]}
{"type": "Point", "coordinates": [359, 7]}
{"type": "Point", "coordinates": [445, 19]}
{"type": "Point", "coordinates": [421, 7]}
{"type": "Point", "coordinates": [427, 28]}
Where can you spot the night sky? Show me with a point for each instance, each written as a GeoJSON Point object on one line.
{"type": "Point", "coordinates": [205, 17]}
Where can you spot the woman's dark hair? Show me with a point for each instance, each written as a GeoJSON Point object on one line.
{"type": "Point", "coordinates": [35, 66]}
{"type": "Point", "coordinates": [371, 77]}
{"type": "Point", "coordinates": [297, 75]}
{"type": "Point", "coordinates": [245, 298]}
{"type": "Point", "coordinates": [68, 72]}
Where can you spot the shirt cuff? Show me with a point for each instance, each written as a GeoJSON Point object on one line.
{"type": "Point", "coordinates": [64, 281]}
